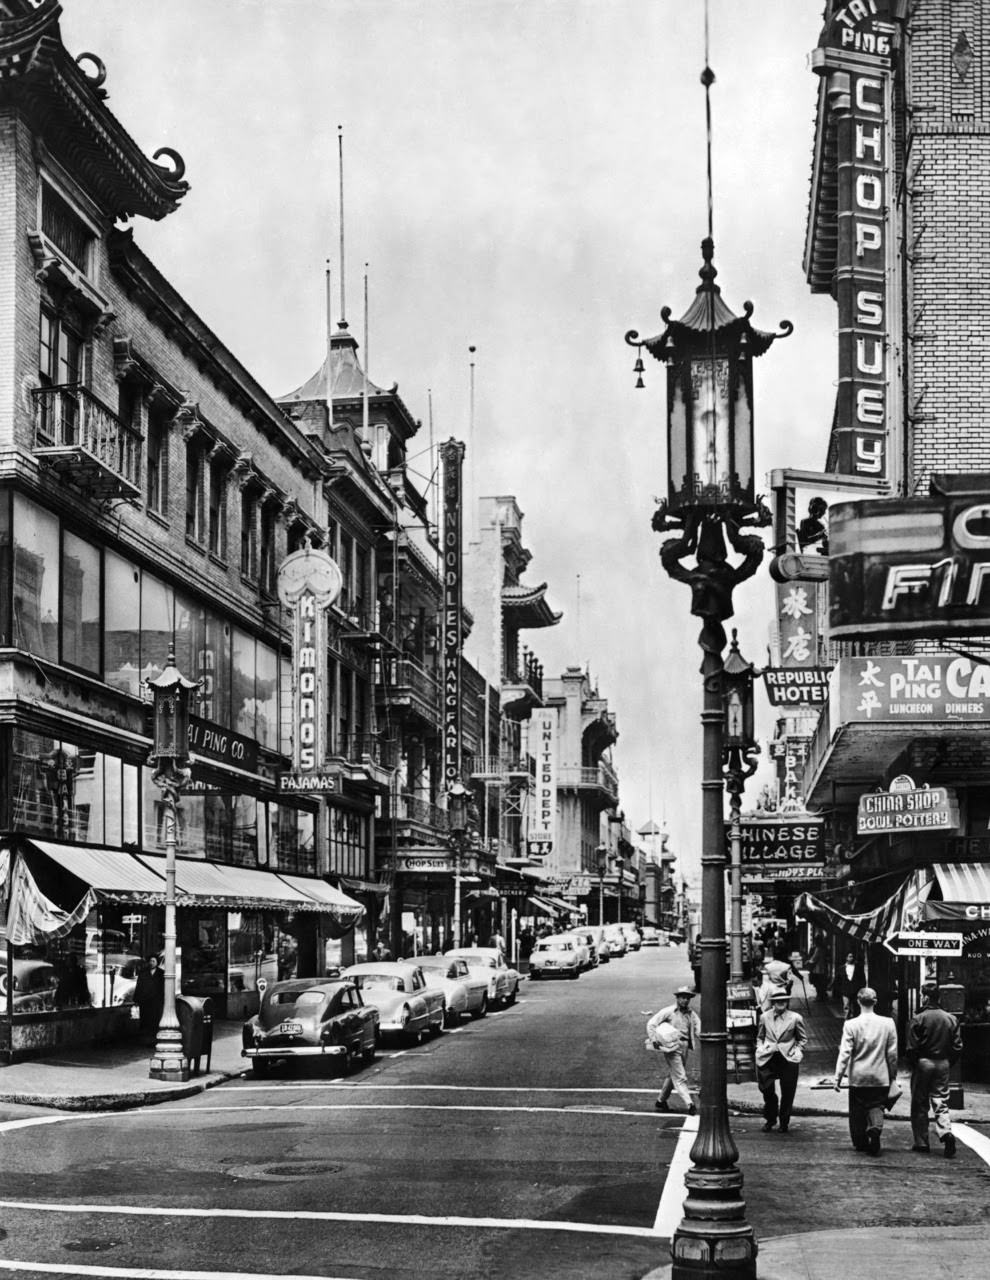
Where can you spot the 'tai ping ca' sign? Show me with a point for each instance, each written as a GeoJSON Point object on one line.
{"type": "Point", "coordinates": [906, 808]}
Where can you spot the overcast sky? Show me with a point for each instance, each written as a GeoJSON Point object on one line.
{"type": "Point", "coordinates": [527, 178]}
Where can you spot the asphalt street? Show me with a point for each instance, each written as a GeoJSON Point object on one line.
{"type": "Point", "coordinates": [524, 1145]}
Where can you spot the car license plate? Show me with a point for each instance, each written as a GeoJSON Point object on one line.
{"type": "Point", "coordinates": [291, 1028]}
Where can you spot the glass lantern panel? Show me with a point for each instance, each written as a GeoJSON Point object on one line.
{"type": "Point", "coordinates": [743, 441]}
{"type": "Point", "coordinates": [679, 486]}
{"type": "Point", "coordinates": [711, 436]}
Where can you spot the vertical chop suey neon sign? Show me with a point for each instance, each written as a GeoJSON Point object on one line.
{"type": "Point", "coordinates": [309, 581]}
{"type": "Point", "coordinates": [452, 455]}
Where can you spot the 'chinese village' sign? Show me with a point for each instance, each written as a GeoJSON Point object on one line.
{"type": "Point", "coordinates": [782, 842]}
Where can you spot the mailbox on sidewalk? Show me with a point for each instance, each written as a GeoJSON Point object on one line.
{"type": "Point", "coordinates": [196, 1024]}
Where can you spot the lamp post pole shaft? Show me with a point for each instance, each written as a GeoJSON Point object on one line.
{"type": "Point", "coordinates": [601, 899]}
{"type": "Point", "coordinates": [457, 896]}
{"type": "Point", "coordinates": [713, 1240]}
{"type": "Point", "coordinates": [168, 1061]}
{"type": "Point", "coordinates": [735, 887]}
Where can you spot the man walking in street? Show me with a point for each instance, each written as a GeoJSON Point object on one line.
{"type": "Point", "coordinates": [780, 1045]}
{"type": "Point", "coordinates": [675, 1031]}
{"type": "Point", "coordinates": [869, 1053]}
{"type": "Point", "coordinates": [934, 1042]}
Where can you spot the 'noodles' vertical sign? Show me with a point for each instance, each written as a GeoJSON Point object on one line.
{"type": "Point", "coordinates": [452, 457]}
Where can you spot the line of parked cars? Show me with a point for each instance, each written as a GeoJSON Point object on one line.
{"type": "Point", "coordinates": [348, 1014]}
{"type": "Point", "coordinates": [571, 953]}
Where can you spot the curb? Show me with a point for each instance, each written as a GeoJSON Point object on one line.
{"type": "Point", "coordinates": [118, 1101]}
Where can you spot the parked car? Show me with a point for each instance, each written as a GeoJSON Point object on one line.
{"type": "Point", "coordinates": [310, 1017]}
{"type": "Point", "coordinates": [651, 936]}
{"type": "Point", "coordinates": [634, 939]}
{"type": "Point", "coordinates": [35, 985]}
{"type": "Point", "coordinates": [555, 957]}
{"type": "Point", "coordinates": [410, 1004]}
{"type": "Point", "coordinates": [589, 940]}
{"type": "Point", "coordinates": [616, 940]}
{"type": "Point", "coordinates": [503, 981]}
{"type": "Point", "coordinates": [112, 978]}
{"type": "Point", "coordinates": [464, 991]}
{"type": "Point", "coordinates": [597, 931]}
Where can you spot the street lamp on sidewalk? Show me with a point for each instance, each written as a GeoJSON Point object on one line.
{"type": "Point", "coordinates": [601, 862]}
{"type": "Point", "coordinates": [710, 499]}
{"type": "Point", "coordinates": [740, 750]}
{"type": "Point", "coordinates": [170, 759]}
{"type": "Point", "coordinates": [458, 798]}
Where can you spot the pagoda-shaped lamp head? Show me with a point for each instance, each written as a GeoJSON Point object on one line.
{"type": "Point", "coordinates": [457, 808]}
{"type": "Point", "coordinates": [170, 716]}
{"type": "Point", "coordinates": [737, 696]}
{"type": "Point", "coordinates": [709, 356]}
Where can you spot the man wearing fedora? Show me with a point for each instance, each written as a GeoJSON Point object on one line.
{"type": "Point", "coordinates": [780, 1043]}
{"type": "Point", "coordinates": [675, 1031]}
{"type": "Point", "coordinates": [869, 1052]}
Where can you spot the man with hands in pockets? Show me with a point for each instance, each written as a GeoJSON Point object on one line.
{"type": "Point", "coordinates": [780, 1043]}
{"type": "Point", "coordinates": [675, 1031]}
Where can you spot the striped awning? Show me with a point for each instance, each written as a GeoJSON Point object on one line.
{"type": "Point", "coordinates": [113, 874]}
{"type": "Point", "coordinates": [965, 893]}
{"type": "Point", "coordinates": [868, 926]}
{"type": "Point", "coordinates": [554, 906]}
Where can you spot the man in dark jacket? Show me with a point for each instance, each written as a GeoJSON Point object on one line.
{"type": "Point", "coordinates": [934, 1041]}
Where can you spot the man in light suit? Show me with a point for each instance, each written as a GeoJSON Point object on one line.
{"type": "Point", "coordinates": [780, 1045]}
{"type": "Point", "coordinates": [869, 1053]}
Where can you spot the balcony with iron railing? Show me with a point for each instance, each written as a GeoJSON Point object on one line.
{"type": "Point", "coordinates": [600, 778]}
{"type": "Point", "coordinates": [78, 437]}
{"type": "Point", "coordinates": [522, 686]}
{"type": "Point", "coordinates": [503, 768]}
{"type": "Point", "coordinates": [406, 683]}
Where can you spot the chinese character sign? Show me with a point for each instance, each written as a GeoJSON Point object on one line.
{"type": "Point", "coordinates": [798, 624]}
{"type": "Point", "coordinates": [543, 811]}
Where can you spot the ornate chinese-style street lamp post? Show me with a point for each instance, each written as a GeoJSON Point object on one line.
{"type": "Point", "coordinates": [458, 798]}
{"type": "Point", "coordinates": [170, 758]}
{"type": "Point", "coordinates": [739, 753]}
{"type": "Point", "coordinates": [710, 499]}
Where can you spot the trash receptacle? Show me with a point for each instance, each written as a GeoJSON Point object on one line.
{"type": "Point", "coordinates": [195, 1015]}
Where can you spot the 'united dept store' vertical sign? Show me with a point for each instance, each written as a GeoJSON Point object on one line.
{"type": "Point", "coordinates": [309, 581]}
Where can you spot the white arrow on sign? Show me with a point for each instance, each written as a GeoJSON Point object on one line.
{"type": "Point", "coordinates": [924, 944]}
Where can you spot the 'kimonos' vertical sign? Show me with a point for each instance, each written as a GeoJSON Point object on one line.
{"type": "Point", "coordinates": [452, 457]}
{"type": "Point", "coordinates": [309, 581]}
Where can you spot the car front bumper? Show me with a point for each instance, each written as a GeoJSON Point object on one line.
{"type": "Point", "coordinates": [296, 1051]}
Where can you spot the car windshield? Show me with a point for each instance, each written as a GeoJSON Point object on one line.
{"type": "Point", "coordinates": [378, 982]}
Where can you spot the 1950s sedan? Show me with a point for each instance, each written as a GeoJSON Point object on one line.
{"type": "Point", "coordinates": [310, 1018]}
{"type": "Point", "coordinates": [465, 991]}
{"type": "Point", "coordinates": [410, 1003]}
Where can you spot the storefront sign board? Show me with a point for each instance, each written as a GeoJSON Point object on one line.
{"type": "Point", "coordinates": [928, 809]}
{"type": "Point", "coordinates": [796, 686]}
{"type": "Point", "coordinates": [924, 944]}
{"type": "Point", "coordinates": [927, 689]}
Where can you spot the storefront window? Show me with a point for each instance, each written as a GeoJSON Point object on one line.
{"type": "Point", "coordinates": [35, 586]}
{"type": "Point", "coordinates": [348, 841]}
{"type": "Point", "coordinates": [81, 593]}
{"type": "Point", "coordinates": [121, 628]}
{"type": "Point", "coordinates": [292, 845]}
{"type": "Point", "coordinates": [202, 937]}
{"type": "Point", "coordinates": [250, 950]}
{"type": "Point", "coordinates": [157, 605]}
{"type": "Point", "coordinates": [244, 834]}
{"type": "Point", "coordinates": [266, 697]}
{"type": "Point", "coordinates": [243, 676]}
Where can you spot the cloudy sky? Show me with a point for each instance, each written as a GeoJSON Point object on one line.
{"type": "Point", "coordinates": [526, 177]}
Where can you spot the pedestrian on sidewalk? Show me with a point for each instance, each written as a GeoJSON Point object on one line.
{"type": "Point", "coordinates": [818, 966]}
{"type": "Point", "coordinates": [934, 1042]}
{"type": "Point", "coordinates": [850, 978]}
{"type": "Point", "coordinates": [675, 1031]}
{"type": "Point", "coordinates": [869, 1053]}
{"type": "Point", "coordinates": [780, 1043]}
{"type": "Point", "coordinates": [149, 996]}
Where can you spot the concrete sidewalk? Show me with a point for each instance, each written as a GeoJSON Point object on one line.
{"type": "Point", "coordinates": [114, 1077]}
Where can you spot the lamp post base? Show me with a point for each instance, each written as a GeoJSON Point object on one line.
{"type": "Point", "coordinates": [714, 1241]}
{"type": "Point", "coordinates": [168, 1061]}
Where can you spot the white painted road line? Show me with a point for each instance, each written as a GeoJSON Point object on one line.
{"type": "Point", "coordinates": [358, 1085]}
{"type": "Point", "coordinates": [140, 1273]}
{"type": "Point", "coordinates": [671, 1207]}
{"type": "Point", "coordinates": [285, 1107]}
{"type": "Point", "coordinates": [313, 1215]}
{"type": "Point", "coordinates": [976, 1141]}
